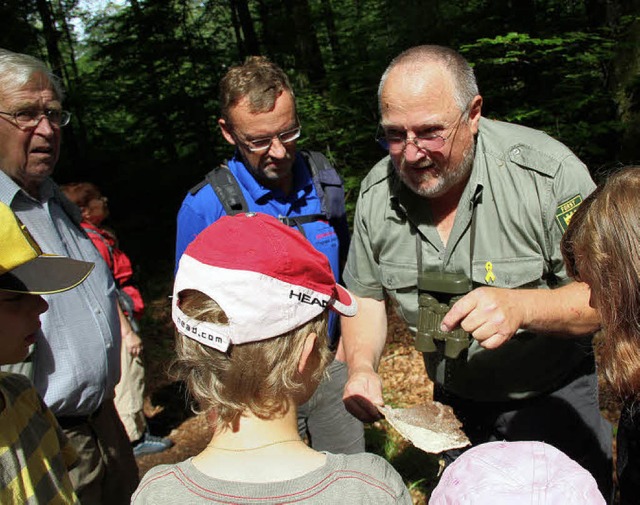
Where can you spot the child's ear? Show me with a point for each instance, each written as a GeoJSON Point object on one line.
{"type": "Point", "coordinates": [307, 350]}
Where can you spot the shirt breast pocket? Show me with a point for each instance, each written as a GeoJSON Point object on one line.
{"type": "Point", "coordinates": [526, 272]}
{"type": "Point", "coordinates": [400, 282]}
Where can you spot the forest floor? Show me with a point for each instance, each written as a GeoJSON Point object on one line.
{"type": "Point", "coordinates": [403, 376]}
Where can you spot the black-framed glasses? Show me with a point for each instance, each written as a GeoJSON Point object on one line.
{"type": "Point", "coordinates": [30, 118]}
{"type": "Point", "coordinates": [395, 142]}
{"type": "Point", "coordinates": [262, 144]}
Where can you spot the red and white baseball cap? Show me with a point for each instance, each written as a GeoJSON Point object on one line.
{"type": "Point", "coordinates": [265, 276]}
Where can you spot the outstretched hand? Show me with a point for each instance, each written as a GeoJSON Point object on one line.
{"type": "Point", "coordinates": [491, 315]}
{"type": "Point", "coordinates": [363, 395]}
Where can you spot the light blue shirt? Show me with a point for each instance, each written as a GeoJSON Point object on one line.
{"type": "Point", "coordinates": [77, 353]}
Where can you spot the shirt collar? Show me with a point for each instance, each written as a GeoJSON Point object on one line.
{"type": "Point", "coordinates": [302, 181]}
{"type": "Point", "coordinates": [9, 189]}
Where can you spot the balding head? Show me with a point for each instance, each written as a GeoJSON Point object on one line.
{"type": "Point", "coordinates": [427, 60]}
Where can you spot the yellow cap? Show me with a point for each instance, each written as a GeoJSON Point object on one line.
{"type": "Point", "coordinates": [24, 268]}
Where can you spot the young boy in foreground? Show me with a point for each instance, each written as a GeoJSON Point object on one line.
{"type": "Point", "coordinates": [250, 302]}
{"type": "Point", "coordinates": [34, 453]}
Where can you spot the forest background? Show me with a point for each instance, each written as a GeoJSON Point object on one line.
{"type": "Point", "coordinates": [142, 82]}
{"type": "Point", "coordinates": [141, 79]}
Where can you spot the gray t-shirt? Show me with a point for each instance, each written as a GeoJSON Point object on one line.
{"type": "Point", "coordinates": [357, 478]}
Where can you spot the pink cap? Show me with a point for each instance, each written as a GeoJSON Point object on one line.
{"type": "Point", "coordinates": [516, 473]}
{"type": "Point", "coordinates": [265, 276]}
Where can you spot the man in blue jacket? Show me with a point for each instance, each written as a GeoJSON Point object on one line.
{"type": "Point", "coordinates": [258, 117]}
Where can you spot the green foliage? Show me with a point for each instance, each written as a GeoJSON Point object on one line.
{"type": "Point", "coordinates": [143, 92]}
{"type": "Point", "coordinates": [557, 84]}
{"type": "Point", "coordinates": [19, 26]}
{"type": "Point", "coordinates": [418, 468]}
{"type": "Point", "coordinates": [142, 86]}
{"type": "Point", "coordinates": [336, 130]}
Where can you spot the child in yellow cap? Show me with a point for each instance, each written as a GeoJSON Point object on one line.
{"type": "Point", "coordinates": [34, 452]}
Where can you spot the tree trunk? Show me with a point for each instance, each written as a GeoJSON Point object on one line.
{"type": "Point", "coordinates": [329, 21]}
{"type": "Point", "coordinates": [250, 39]}
{"type": "Point", "coordinates": [237, 30]}
{"type": "Point", "coordinates": [52, 36]}
{"type": "Point", "coordinates": [625, 84]}
{"type": "Point", "coordinates": [308, 55]}
{"type": "Point", "coordinates": [153, 80]}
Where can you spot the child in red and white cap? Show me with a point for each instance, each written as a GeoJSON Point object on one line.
{"type": "Point", "coordinates": [250, 303]}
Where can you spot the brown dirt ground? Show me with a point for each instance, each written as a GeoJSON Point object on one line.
{"type": "Point", "coordinates": [401, 369]}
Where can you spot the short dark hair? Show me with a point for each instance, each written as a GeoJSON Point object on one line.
{"type": "Point", "coordinates": [257, 79]}
{"type": "Point", "coordinates": [81, 193]}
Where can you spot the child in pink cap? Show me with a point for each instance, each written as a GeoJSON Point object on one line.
{"type": "Point", "coordinates": [516, 473]}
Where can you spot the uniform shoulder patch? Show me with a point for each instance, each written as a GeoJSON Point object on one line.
{"type": "Point", "coordinates": [565, 210]}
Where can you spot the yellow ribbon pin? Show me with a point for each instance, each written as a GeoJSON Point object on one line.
{"type": "Point", "coordinates": [490, 277]}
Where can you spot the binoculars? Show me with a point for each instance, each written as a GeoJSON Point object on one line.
{"type": "Point", "coordinates": [437, 292]}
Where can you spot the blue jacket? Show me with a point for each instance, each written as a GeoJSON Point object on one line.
{"type": "Point", "coordinates": [201, 209]}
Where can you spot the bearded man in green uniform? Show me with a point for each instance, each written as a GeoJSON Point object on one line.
{"type": "Point", "coordinates": [460, 227]}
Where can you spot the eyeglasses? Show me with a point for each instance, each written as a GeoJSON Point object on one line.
{"type": "Point", "coordinates": [27, 119]}
{"type": "Point", "coordinates": [397, 141]}
{"type": "Point", "coordinates": [262, 144]}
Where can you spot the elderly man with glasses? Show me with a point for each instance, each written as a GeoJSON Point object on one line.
{"type": "Point", "coordinates": [75, 361]}
{"type": "Point", "coordinates": [460, 228]}
{"type": "Point", "coordinates": [258, 118]}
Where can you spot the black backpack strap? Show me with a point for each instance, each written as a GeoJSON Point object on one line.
{"type": "Point", "coordinates": [198, 187]}
{"type": "Point", "coordinates": [330, 189]}
{"type": "Point", "coordinates": [226, 188]}
{"type": "Point", "coordinates": [298, 221]}
{"type": "Point", "coordinates": [328, 183]}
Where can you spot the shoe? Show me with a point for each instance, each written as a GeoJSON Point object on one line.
{"type": "Point", "coordinates": [150, 444]}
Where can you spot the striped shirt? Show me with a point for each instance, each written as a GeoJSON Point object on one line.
{"type": "Point", "coordinates": [34, 452]}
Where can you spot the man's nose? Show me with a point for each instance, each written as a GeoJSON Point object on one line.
{"type": "Point", "coordinates": [44, 127]}
{"type": "Point", "coordinates": [277, 149]}
{"type": "Point", "coordinates": [412, 152]}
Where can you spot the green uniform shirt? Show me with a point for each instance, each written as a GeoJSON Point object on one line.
{"type": "Point", "coordinates": [523, 188]}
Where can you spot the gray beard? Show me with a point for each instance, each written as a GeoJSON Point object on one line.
{"type": "Point", "coordinates": [445, 179]}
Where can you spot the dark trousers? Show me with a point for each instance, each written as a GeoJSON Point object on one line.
{"type": "Point", "coordinates": [107, 472]}
{"type": "Point", "coordinates": [628, 454]}
{"type": "Point", "coordinates": [568, 418]}
{"type": "Point", "coordinates": [325, 420]}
